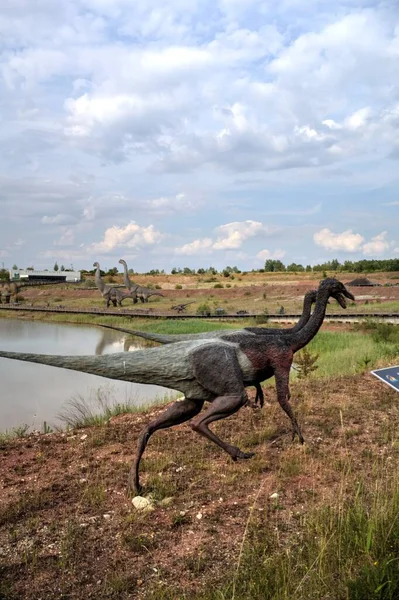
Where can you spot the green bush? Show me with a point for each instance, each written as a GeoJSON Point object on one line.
{"type": "Point", "coordinates": [204, 309]}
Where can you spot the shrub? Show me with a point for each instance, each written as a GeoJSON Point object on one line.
{"type": "Point", "coordinates": [204, 309]}
{"type": "Point", "coordinates": [218, 285]}
{"type": "Point", "coordinates": [306, 361]}
{"type": "Point", "coordinates": [178, 286]}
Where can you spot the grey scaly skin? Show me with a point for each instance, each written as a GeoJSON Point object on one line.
{"type": "Point", "coordinates": [214, 371]}
{"type": "Point", "coordinates": [136, 291]}
{"type": "Point", "coordinates": [110, 294]}
{"type": "Point", "coordinates": [309, 300]}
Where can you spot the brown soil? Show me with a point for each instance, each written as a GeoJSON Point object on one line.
{"type": "Point", "coordinates": [68, 528]}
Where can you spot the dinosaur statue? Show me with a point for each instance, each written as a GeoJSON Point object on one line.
{"type": "Point", "coordinates": [309, 299]}
{"type": "Point", "coordinates": [209, 370]}
{"type": "Point", "coordinates": [136, 291]}
{"type": "Point", "coordinates": [181, 307]}
{"type": "Point", "coordinates": [111, 294]}
{"type": "Point", "coordinates": [9, 287]}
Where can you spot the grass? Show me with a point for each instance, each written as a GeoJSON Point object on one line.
{"type": "Point", "coordinates": [15, 432]}
{"type": "Point", "coordinates": [350, 352]}
{"type": "Point", "coordinates": [348, 549]}
{"type": "Point", "coordinates": [100, 407]}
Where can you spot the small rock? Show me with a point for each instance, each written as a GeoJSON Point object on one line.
{"type": "Point", "coordinates": [274, 496]}
{"type": "Point", "coordinates": [199, 516]}
{"type": "Point", "coordinates": [107, 516]}
{"type": "Point", "coordinates": [83, 437]}
{"type": "Point", "coordinates": [141, 503]}
{"type": "Point", "coordinates": [166, 501]}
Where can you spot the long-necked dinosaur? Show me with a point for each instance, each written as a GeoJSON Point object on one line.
{"type": "Point", "coordinates": [136, 291]}
{"type": "Point", "coordinates": [215, 371]}
{"type": "Point", "coordinates": [9, 287]}
{"type": "Point", "coordinates": [110, 294]}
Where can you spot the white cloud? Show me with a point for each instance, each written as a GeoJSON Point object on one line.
{"type": "Point", "coordinates": [131, 236]}
{"type": "Point", "coordinates": [266, 254]}
{"type": "Point", "coordinates": [232, 235]}
{"type": "Point", "coordinates": [346, 241]}
{"type": "Point", "coordinates": [378, 244]}
{"type": "Point", "coordinates": [196, 247]}
{"type": "Point", "coordinates": [173, 204]}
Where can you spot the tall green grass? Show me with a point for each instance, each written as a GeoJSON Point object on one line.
{"type": "Point", "coordinates": [349, 352]}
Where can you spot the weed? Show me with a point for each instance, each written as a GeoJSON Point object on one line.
{"type": "Point", "coordinates": [306, 362]}
{"type": "Point", "coordinates": [179, 519]}
{"type": "Point", "coordinates": [141, 542]}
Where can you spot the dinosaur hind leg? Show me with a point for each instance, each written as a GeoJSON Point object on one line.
{"type": "Point", "coordinates": [178, 413]}
{"type": "Point", "coordinates": [283, 396]}
{"type": "Point", "coordinates": [221, 407]}
{"type": "Point", "coordinates": [217, 370]}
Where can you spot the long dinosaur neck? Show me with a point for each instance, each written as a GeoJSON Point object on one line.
{"type": "Point", "coordinates": [307, 307]}
{"type": "Point", "coordinates": [301, 338]}
{"type": "Point", "coordinates": [129, 284]}
{"type": "Point", "coordinates": [98, 279]}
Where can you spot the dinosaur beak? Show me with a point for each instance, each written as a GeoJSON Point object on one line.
{"type": "Point", "coordinates": [340, 297]}
{"type": "Point", "coordinates": [349, 295]}
{"type": "Point", "coordinates": [341, 300]}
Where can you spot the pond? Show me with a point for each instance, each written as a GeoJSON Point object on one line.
{"type": "Point", "coordinates": [32, 394]}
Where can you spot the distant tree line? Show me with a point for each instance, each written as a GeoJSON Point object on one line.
{"type": "Point", "coordinates": [360, 266]}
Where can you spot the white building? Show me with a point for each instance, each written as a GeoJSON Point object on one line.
{"type": "Point", "coordinates": [33, 275]}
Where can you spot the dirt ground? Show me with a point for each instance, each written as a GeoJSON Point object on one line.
{"type": "Point", "coordinates": [68, 528]}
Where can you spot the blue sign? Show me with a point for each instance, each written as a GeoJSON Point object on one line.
{"type": "Point", "coordinates": [390, 375]}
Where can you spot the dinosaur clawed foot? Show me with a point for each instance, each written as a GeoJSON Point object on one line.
{"type": "Point", "coordinates": [300, 436]}
{"type": "Point", "coordinates": [239, 454]}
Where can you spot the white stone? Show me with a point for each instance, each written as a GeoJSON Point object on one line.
{"type": "Point", "coordinates": [274, 496]}
{"type": "Point", "coordinates": [141, 503]}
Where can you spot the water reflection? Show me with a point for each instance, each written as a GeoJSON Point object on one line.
{"type": "Point", "coordinates": [34, 393]}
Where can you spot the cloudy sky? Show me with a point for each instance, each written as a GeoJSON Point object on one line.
{"type": "Point", "coordinates": [198, 132]}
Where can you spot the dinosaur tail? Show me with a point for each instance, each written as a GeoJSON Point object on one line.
{"type": "Point", "coordinates": [157, 366]}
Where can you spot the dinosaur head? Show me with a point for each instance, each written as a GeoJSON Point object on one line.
{"type": "Point", "coordinates": [121, 261]}
{"type": "Point", "coordinates": [96, 265]}
{"type": "Point", "coordinates": [337, 290]}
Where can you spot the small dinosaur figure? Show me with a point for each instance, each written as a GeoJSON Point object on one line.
{"type": "Point", "coordinates": [111, 294]}
{"type": "Point", "coordinates": [137, 292]}
{"type": "Point", "coordinates": [181, 307]}
{"type": "Point", "coordinates": [209, 370]}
